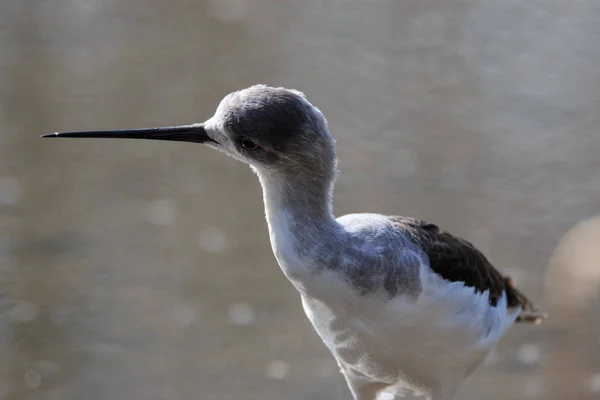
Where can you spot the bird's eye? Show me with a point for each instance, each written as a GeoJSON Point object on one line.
{"type": "Point", "coordinates": [249, 144]}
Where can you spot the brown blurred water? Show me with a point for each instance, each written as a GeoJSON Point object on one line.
{"type": "Point", "coordinates": [142, 270]}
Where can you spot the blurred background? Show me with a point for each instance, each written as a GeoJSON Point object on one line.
{"type": "Point", "coordinates": [143, 270]}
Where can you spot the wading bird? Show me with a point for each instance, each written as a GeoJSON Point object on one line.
{"type": "Point", "coordinates": [399, 303]}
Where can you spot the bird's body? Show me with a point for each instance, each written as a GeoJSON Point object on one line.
{"type": "Point", "coordinates": [398, 302]}
{"type": "Point", "coordinates": [389, 320]}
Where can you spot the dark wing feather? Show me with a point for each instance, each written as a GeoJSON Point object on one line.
{"type": "Point", "coordinates": [457, 260]}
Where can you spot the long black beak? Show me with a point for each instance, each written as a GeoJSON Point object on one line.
{"type": "Point", "coordinates": [182, 133]}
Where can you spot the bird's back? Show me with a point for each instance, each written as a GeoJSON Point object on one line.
{"type": "Point", "coordinates": [458, 260]}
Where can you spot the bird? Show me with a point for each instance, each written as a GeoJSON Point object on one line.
{"type": "Point", "coordinates": [401, 304]}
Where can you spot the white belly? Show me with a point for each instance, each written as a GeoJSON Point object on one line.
{"type": "Point", "coordinates": [427, 341]}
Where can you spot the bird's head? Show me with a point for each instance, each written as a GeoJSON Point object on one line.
{"type": "Point", "coordinates": [275, 130]}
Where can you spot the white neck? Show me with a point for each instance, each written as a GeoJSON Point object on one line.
{"type": "Point", "coordinates": [300, 219]}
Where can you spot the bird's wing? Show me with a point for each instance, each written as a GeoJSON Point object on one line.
{"type": "Point", "coordinates": [457, 260]}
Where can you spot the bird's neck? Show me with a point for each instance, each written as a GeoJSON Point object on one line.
{"type": "Point", "coordinates": [300, 218]}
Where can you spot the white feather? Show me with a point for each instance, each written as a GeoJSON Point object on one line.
{"type": "Point", "coordinates": [431, 342]}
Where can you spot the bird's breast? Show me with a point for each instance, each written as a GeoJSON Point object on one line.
{"type": "Point", "coordinates": [445, 331]}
